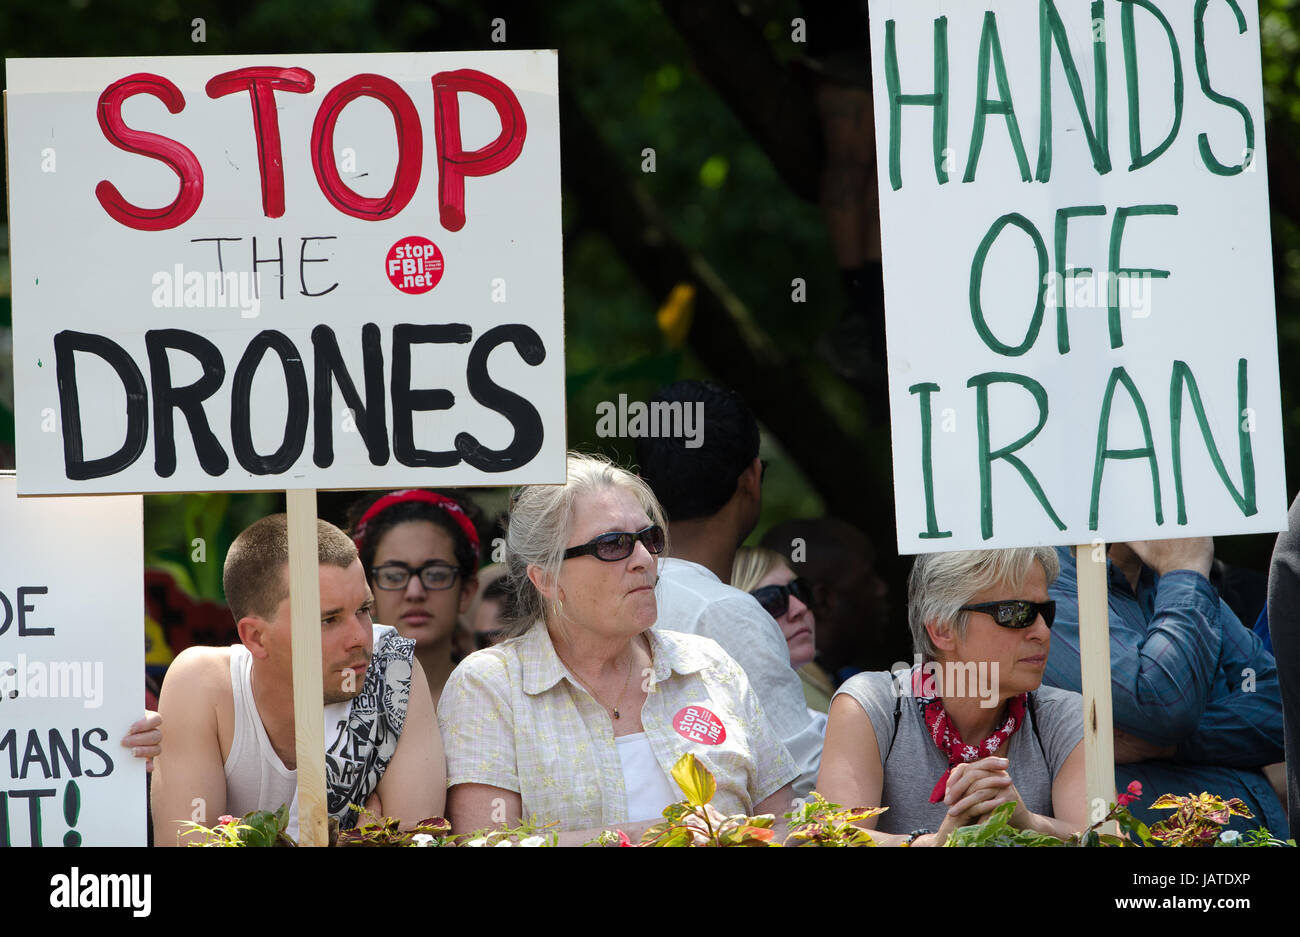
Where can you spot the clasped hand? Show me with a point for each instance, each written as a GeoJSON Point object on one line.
{"type": "Point", "coordinates": [975, 790]}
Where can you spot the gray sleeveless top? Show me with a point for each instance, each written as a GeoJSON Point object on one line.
{"type": "Point", "coordinates": [913, 763]}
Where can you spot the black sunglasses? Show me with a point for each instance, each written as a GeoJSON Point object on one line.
{"type": "Point", "coordinates": [1016, 613]}
{"type": "Point", "coordinates": [776, 599]}
{"type": "Point", "coordinates": [619, 546]}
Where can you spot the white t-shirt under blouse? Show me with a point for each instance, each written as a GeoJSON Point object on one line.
{"type": "Point", "coordinates": [649, 790]}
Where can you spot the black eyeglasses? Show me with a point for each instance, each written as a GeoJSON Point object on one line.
{"type": "Point", "coordinates": [619, 546]}
{"type": "Point", "coordinates": [435, 576]}
{"type": "Point", "coordinates": [776, 599]}
{"type": "Point", "coordinates": [1016, 613]}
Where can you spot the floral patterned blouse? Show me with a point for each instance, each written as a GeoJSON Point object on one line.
{"type": "Point", "coordinates": [513, 717]}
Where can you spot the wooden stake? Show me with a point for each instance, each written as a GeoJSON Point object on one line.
{"type": "Point", "coordinates": [1094, 665]}
{"type": "Point", "coordinates": [308, 693]}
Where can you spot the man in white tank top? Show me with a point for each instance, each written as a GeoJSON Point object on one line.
{"type": "Point", "coordinates": [228, 717]}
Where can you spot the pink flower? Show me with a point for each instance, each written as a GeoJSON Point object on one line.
{"type": "Point", "coordinates": [1134, 793]}
{"type": "Point", "coordinates": [226, 818]}
{"type": "Point", "coordinates": [622, 838]}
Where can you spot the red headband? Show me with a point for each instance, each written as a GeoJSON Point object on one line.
{"type": "Point", "coordinates": [454, 510]}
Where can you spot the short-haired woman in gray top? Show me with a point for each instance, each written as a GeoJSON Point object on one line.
{"type": "Point", "coordinates": [970, 728]}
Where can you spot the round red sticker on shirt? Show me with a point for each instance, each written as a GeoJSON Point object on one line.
{"type": "Point", "coordinates": [699, 725]}
{"type": "Point", "coordinates": [414, 264]}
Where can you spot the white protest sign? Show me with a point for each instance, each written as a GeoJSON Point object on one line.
{"type": "Point", "coordinates": [1078, 271]}
{"type": "Point", "coordinates": [71, 670]}
{"type": "Point", "coordinates": [289, 271]}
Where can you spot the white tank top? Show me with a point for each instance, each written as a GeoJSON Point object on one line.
{"type": "Point", "coordinates": [256, 778]}
{"type": "Point", "coordinates": [648, 789]}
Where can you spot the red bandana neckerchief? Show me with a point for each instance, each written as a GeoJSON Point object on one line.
{"type": "Point", "coordinates": [946, 737]}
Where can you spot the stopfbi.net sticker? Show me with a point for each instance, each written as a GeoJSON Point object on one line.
{"type": "Point", "coordinates": [699, 725]}
{"type": "Point", "coordinates": [414, 264]}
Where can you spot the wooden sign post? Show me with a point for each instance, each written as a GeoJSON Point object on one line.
{"type": "Point", "coordinates": [1094, 663]}
{"type": "Point", "coordinates": [304, 609]}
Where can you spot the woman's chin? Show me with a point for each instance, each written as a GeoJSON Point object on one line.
{"type": "Point", "coordinates": [802, 650]}
{"type": "Point", "coordinates": [423, 634]}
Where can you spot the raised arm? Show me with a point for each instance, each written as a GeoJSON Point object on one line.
{"type": "Point", "coordinates": [1162, 671]}
{"type": "Point", "coordinates": [189, 780]}
{"type": "Point", "coordinates": [414, 785]}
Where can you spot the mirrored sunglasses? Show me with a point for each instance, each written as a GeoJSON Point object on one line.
{"type": "Point", "coordinates": [1015, 613]}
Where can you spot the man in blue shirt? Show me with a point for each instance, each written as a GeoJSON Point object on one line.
{"type": "Point", "coordinates": [1194, 694]}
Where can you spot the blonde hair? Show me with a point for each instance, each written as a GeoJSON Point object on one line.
{"type": "Point", "coordinates": [751, 565]}
{"type": "Point", "coordinates": [941, 583]}
{"type": "Point", "coordinates": [541, 522]}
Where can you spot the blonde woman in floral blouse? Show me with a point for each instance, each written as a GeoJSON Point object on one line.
{"type": "Point", "coordinates": [579, 718]}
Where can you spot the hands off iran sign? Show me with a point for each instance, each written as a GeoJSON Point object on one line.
{"type": "Point", "coordinates": [1078, 271]}
{"type": "Point", "coordinates": [267, 272]}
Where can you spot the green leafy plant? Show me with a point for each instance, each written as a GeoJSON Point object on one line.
{"type": "Point", "coordinates": [1198, 819]}
{"type": "Point", "coordinates": [384, 831]}
{"type": "Point", "coordinates": [696, 822]}
{"type": "Point", "coordinates": [1259, 837]}
{"type": "Point", "coordinates": [998, 831]}
{"type": "Point", "coordinates": [1121, 816]}
{"type": "Point", "coordinates": [818, 822]}
{"type": "Point", "coordinates": [269, 828]}
{"type": "Point", "coordinates": [530, 832]}
{"type": "Point", "coordinates": [256, 828]}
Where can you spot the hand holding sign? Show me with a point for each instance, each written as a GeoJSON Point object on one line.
{"type": "Point", "coordinates": [1164, 556]}
{"type": "Point", "coordinates": [144, 738]}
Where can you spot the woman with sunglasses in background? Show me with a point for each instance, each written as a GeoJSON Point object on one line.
{"type": "Point", "coordinates": [420, 551]}
{"type": "Point", "coordinates": [970, 727]}
{"type": "Point", "coordinates": [788, 598]}
{"type": "Point", "coordinates": [579, 717]}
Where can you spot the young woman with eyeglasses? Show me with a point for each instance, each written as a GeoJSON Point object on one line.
{"type": "Point", "coordinates": [420, 550]}
{"type": "Point", "coordinates": [970, 727]}
{"type": "Point", "coordinates": [579, 717]}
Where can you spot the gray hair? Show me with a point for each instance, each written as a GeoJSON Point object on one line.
{"type": "Point", "coordinates": [941, 583]}
{"type": "Point", "coordinates": [541, 522]}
